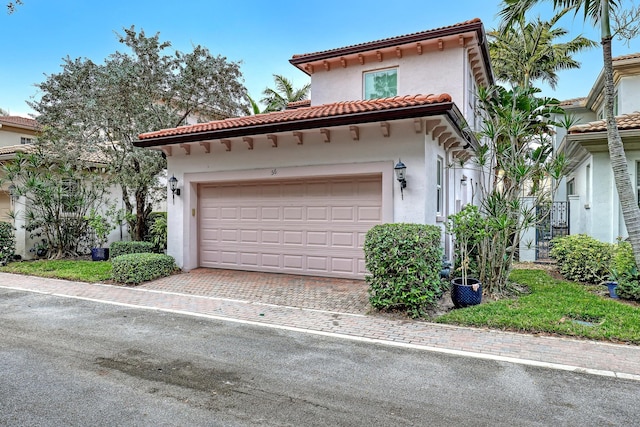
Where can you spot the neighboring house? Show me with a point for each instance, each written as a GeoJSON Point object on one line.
{"type": "Point", "coordinates": [17, 135]}
{"type": "Point", "coordinates": [589, 187]}
{"type": "Point", "coordinates": [296, 191]}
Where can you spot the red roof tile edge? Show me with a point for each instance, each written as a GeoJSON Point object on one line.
{"type": "Point", "coordinates": [21, 122]}
{"type": "Point", "coordinates": [432, 33]}
{"type": "Point", "coordinates": [303, 113]}
{"type": "Point", "coordinates": [625, 122]}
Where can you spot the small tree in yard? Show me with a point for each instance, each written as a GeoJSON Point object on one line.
{"type": "Point", "coordinates": [58, 195]}
{"type": "Point", "coordinates": [516, 132]}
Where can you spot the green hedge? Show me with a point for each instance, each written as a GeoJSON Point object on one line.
{"type": "Point", "coordinates": [141, 267]}
{"type": "Point", "coordinates": [7, 243]}
{"type": "Point", "coordinates": [582, 258]}
{"type": "Point", "coordinates": [124, 248]}
{"type": "Point", "coordinates": [404, 262]}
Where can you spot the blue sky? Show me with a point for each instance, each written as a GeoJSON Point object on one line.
{"type": "Point", "coordinates": [262, 34]}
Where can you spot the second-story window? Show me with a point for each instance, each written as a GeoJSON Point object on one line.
{"type": "Point", "coordinates": [381, 83]}
{"type": "Point", "coordinates": [24, 140]}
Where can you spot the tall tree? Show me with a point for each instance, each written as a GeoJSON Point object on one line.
{"type": "Point", "coordinates": [529, 51]}
{"type": "Point", "coordinates": [104, 107]}
{"type": "Point", "coordinates": [600, 12]}
{"type": "Point", "coordinates": [284, 93]}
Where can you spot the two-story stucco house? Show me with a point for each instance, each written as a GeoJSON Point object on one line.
{"type": "Point", "coordinates": [589, 187]}
{"type": "Point", "coordinates": [296, 191]}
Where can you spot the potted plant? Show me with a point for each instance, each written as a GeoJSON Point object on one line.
{"type": "Point", "coordinates": [466, 227]}
{"type": "Point", "coordinates": [101, 226]}
{"type": "Point", "coordinates": [621, 268]}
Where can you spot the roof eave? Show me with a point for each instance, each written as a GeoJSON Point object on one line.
{"type": "Point", "coordinates": [445, 108]}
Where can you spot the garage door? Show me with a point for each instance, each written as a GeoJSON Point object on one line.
{"type": "Point", "coordinates": [314, 227]}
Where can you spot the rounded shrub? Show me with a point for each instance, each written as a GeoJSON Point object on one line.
{"type": "Point", "coordinates": [7, 242]}
{"type": "Point", "coordinates": [404, 263]}
{"type": "Point", "coordinates": [141, 267]}
{"type": "Point", "coordinates": [582, 258]}
{"type": "Point", "coordinates": [123, 248]}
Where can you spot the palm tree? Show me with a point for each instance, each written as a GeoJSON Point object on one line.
{"type": "Point", "coordinates": [4, 112]}
{"type": "Point", "coordinates": [284, 93]}
{"type": "Point", "coordinates": [526, 51]}
{"type": "Point", "coordinates": [599, 11]}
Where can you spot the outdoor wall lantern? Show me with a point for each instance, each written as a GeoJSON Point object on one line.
{"type": "Point", "coordinates": [401, 174]}
{"type": "Point", "coordinates": [12, 193]}
{"type": "Point", "coordinates": [463, 180]}
{"type": "Point", "coordinates": [173, 186]}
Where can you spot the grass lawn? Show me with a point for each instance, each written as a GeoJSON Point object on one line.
{"type": "Point", "coordinates": [82, 271]}
{"type": "Point", "coordinates": [555, 307]}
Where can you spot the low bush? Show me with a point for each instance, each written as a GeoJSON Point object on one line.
{"type": "Point", "coordinates": [625, 272]}
{"type": "Point", "coordinates": [141, 267]}
{"type": "Point", "coordinates": [404, 263]}
{"type": "Point", "coordinates": [7, 243]}
{"type": "Point", "coordinates": [582, 258]}
{"type": "Point", "coordinates": [125, 248]}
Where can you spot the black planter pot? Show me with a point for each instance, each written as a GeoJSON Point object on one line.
{"type": "Point", "coordinates": [463, 295]}
{"type": "Point", "coordinates": [99, 254]}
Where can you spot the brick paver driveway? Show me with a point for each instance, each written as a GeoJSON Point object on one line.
{"type": "Point", "coordinates": [318, 293]}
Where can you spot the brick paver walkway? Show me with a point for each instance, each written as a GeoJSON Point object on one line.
{"type": "Point", "coordinates": [336, 307]}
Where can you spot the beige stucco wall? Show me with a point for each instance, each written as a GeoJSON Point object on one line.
{"type": "Point", "coordinates": [11, 136]}
{"type": "Point", "coordinates": [433, 72]}
{"type": "Point", "coordinates": [342, 156]}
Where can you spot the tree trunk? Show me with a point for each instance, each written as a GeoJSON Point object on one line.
{"type": "Point", "coordinates": [628, 203]}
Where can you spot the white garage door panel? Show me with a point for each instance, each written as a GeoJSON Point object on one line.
{"type": "Point", "coordinates": [305, 227]}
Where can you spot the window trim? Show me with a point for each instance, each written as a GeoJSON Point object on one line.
{"type": "Point", "coordinates": [439, 186]}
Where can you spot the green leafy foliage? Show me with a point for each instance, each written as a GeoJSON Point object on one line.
{"type": "Point", "coordinates": [126, 248]}
{"type": "Point", "coordinates": [516, 159]}
{"type": "Point", "coordinates": [59, 192]}
{"type": "Point", "coordinates": [157, 231]}
{"type": "Point", "coordinates": [141, 267]}
{"type": "Point", "coordinates": [625, 272]}
{"type": "Point", "coordinates": [7, 242]}
{"type": "Point", "coordinates": [404, 262]}
{"type": "Point", "coordinates": [145, 86]}
{"type": "Point", "coordinates": [467, 228]}
{"type": "Point", "coordinates": [582, 258]}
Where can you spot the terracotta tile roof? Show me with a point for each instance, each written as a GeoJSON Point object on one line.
{"type": "Point", "coordinates": [625, 122]}
{"type": "Point", "coordinates": [13, 149]}
{"type": "Point", "coordinates": [95, 157]}
{"type": "Point", "coordinates": [629, 56]}
{"type": "Point", "coordinates": [302, 114]}
{"type": "Point", "coordinates": [424, 35]}
{"type": "Point", "coordinates": [298, 104]}
{"type": "Point", "coordinates": [21, 122]}
{"type": "Point", "coordinates": [578, 102]}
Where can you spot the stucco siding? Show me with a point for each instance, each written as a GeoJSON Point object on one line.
{"type": "Point", "coordinates": [429, 73]}
{"type": "Point", "coordinates": [343, 156]}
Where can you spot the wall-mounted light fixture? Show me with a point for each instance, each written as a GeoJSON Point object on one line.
{"type": "Point", "coordinates": [463, 180]}
{"type": "Point", "coordinates": [401, 175]}
{"type": "Point", "coordinates": [173, 186]}
{"type": "Point", "coordinates": [13, 194]}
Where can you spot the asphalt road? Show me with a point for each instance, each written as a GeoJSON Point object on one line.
{"type": "Point", "coordinates": [78, 363]}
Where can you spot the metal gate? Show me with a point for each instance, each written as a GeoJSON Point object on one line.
{"type": "Point", "coordinates": [553, 221]}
